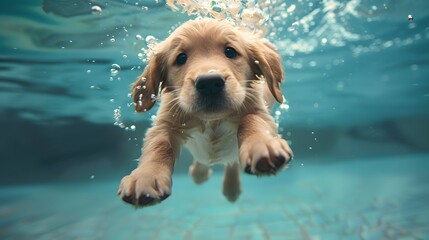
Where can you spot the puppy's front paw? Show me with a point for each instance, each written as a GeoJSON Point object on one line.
{"type": "Point", "coordinates": [265, 157]}
{"type": "Point", "coordinates": [145, 187]}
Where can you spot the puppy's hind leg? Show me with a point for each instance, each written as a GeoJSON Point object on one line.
{"type": "Point", "coordinates": [199, 172]}
{"type": "Point", "coordinates": [231, 182]}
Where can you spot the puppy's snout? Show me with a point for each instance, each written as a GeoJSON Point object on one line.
{"type": "Point", "coordinates": [210, 83]}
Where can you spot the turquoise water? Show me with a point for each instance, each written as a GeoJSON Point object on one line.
{"type": "Point", "coordinates": [357, 92]}
{"type": "Point", "coordinates": [383, 198]}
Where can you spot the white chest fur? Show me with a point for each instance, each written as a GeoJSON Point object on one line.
{"type": "Point", "coordinates": [215, 143]}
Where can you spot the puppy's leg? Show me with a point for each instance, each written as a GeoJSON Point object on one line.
{"type": "Point", "coordinates": [199, 172]}
{"type": "Point", "coordinates": [150, 182]}
{"type": "Point", "coordinates": [231, 182]}
{"type": "Point", "coordinates": [262, 150]}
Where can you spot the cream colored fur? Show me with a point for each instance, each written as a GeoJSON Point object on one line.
{"type": "Point", "coordinates": [242, 135]}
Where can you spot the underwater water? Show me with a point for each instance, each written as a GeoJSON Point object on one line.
{"type": "Point", "coordinates": [356, 116]}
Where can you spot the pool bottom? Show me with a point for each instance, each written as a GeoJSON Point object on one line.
{"type": "Point", "coordinates": [359, 199]}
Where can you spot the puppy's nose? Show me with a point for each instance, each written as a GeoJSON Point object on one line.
{"type": "Point", "coordinates": [210, 83]}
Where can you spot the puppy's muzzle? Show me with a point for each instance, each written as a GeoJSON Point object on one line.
{"type": "Point", "coordinates": [210, 84]}
{"type": "Point", "coordinates": [210, 88]}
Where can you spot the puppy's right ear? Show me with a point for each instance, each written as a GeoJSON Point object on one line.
{"type": "Point", "coordinates": [146, 88]}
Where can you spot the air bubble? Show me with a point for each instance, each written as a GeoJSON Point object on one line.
{"type": "Point", "coordinates": [284, 106]}
{"type": "Point", "coordinates": [132, 128]}
{"type": "Point", "coordinates": [291, 8]}
{"type": "Point", "coordinates": [117, 117]}
{"type": "Point", "coordinates": [117, 112]}
{"type": "Point", "coordinates": [96, 9]}
{"type": "Point", "coordinates": [150, 39]}
{"type": "Point", "coordinates": [112, 40]}
{"type": "Point", "coordinates": [410, 17]}
{"type": "Point", "coordinates": [115, 69]}
{"type": "Point", "coordinates": [294, 26]}
{"type": "Point", "coordinates": [139, 37]}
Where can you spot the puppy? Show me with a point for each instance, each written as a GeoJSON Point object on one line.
{"type": "Point", "coordinates": [216, 83]}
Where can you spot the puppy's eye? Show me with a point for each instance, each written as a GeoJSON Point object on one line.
{"type": "Point", "coordinates": [230, 52]}
{"type": "Point", "coordinates": [181, 59]}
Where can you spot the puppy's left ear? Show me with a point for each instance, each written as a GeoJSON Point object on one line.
{"type": "Point", "coordinates": [265, 61]}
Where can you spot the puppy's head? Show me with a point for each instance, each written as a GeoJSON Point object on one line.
{"type": "Point", "coordinates": [208, 67]}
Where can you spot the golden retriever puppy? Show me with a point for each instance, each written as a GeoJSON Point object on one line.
{"type": "Point", "coordinates": [216, 85]}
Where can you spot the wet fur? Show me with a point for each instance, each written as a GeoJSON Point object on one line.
{"type": "Point", "coordinates": [241, 136]}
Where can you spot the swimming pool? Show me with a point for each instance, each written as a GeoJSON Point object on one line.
{"type": "Point", "coordinates": [356, 116]}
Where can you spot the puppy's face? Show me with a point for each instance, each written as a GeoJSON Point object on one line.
{"type": "Point", "coordinates": [207, 66]}
{"type": "Point", "coordinates": [208, 69]}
